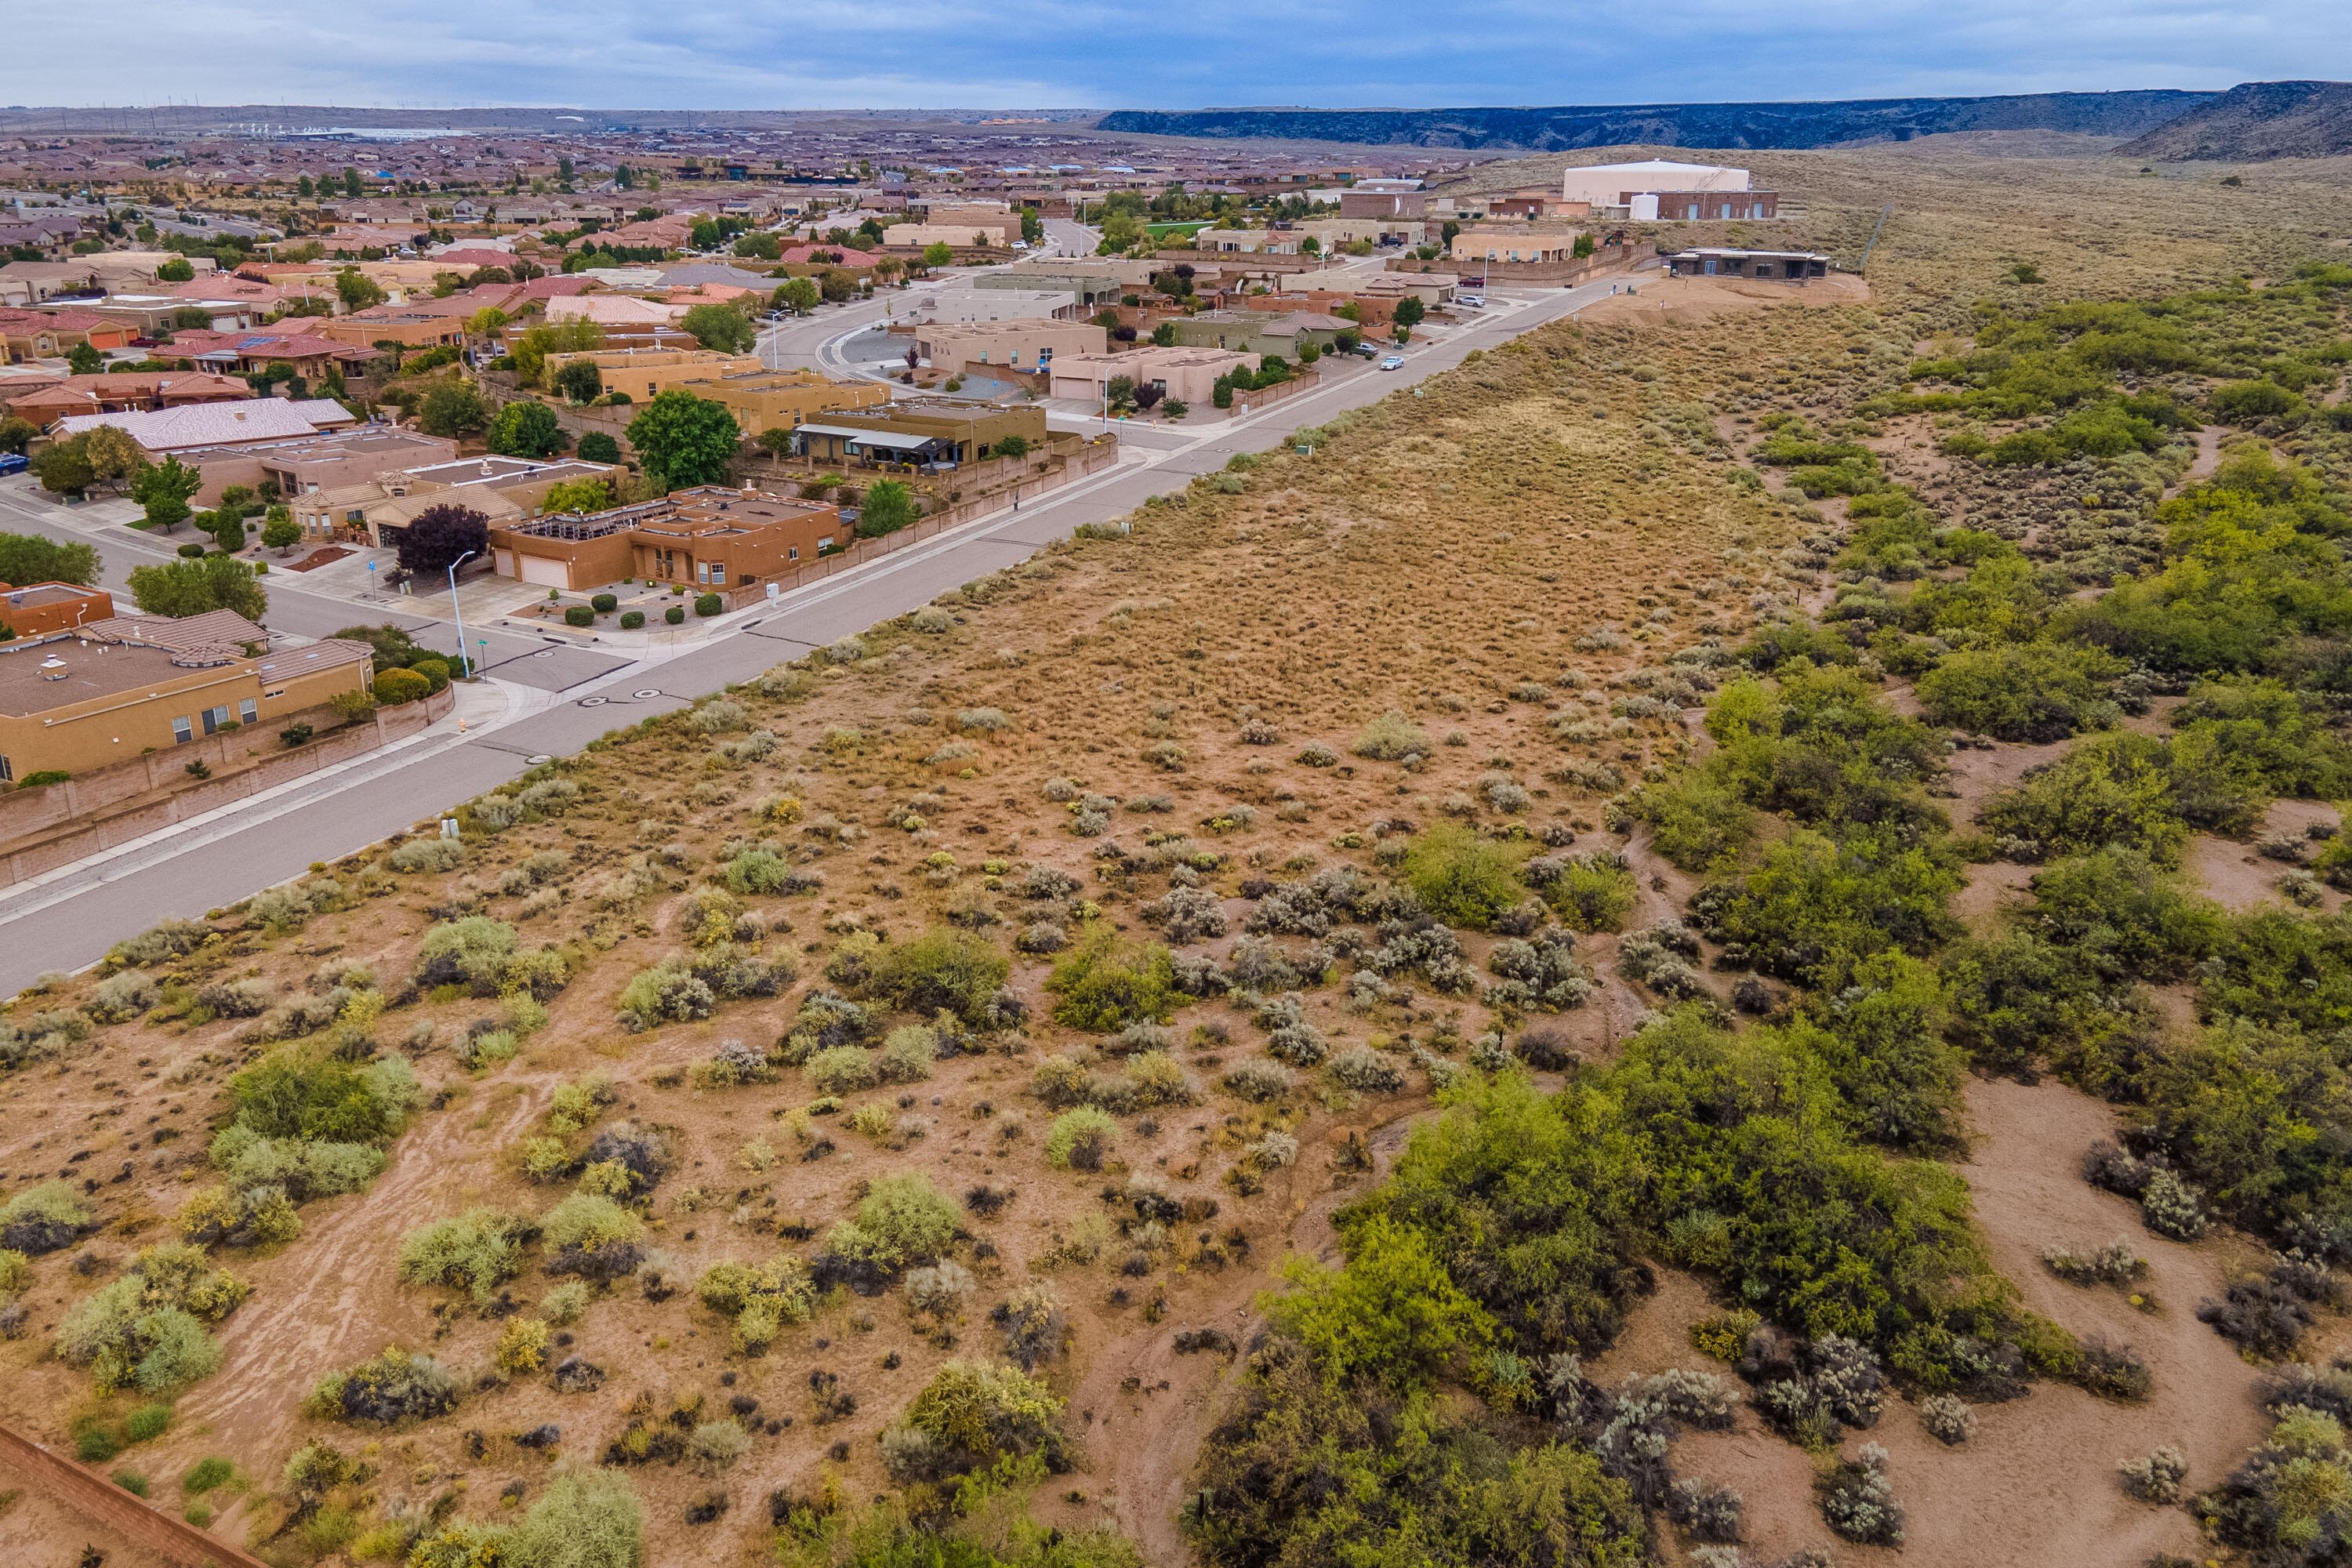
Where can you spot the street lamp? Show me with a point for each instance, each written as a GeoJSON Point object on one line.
{"type": "Point", "coordinates": [465, 670]}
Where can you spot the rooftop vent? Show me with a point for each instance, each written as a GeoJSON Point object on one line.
{"type": "Point", "coordinates": [53, 669]}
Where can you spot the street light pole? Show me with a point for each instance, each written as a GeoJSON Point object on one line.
{"type": "Point", "coordinates": [465, 670]}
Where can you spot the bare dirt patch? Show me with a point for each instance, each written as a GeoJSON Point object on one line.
{"type": "Point", "coordinates": [1660, 300]}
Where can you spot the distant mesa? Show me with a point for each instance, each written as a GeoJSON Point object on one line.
{"type": "Point", "coordinates": [1751, 125]}
{"type": "Point", "coordinates": [2256, 122]}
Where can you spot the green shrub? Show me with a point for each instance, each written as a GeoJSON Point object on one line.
{"type": "Point", "coordinates": [674, 615]}
{"type": "Point", "coordinates": [901, 1220]}
{"type": "Point", "coordinates": [42, 1218]}
{"type": "Point", "coordinates": [204, 1475]}
{"type": "Point", "coordinates": [604, 603]}
{"type": "Point", "coordinates": [1391, 738]}
{"type": "Point", "coordinates": [632, 619]}
{"type": "Point", "coordinates": [147, 1423]}
{"type": "Point", "coordinates": [970, 1416]}
{"type": "Point", "coordinates": [708, 604]}
{"type": "Point", "coordinates": [943, 970]}
{"type": "Point", "coordinates": [2035, 692]}
{"type": "Point", "coordinates": [843, 1070]}
{"type": "Point", "coordinates": [1080, 1140]}
{"type": "Point", "coordinates": [590, 1234]}
{"type": "Point", "coordinates": [2112, 790]}
{"type": "Point", "coordinates": [586, 1519]}
{"type": "Point", "coordinates": [1390, 1314]}
{"type": "Point", "coordinates": [131, 1481]}
{"type": "Point", "coordinates": [1592, 894]}
{"type": "Point", "coordinates": [2114, 907]}
{"type": "Point", "coordinates": [95, 1446]}
{"type": "Point", "coordinates": [394, 687]}
{"type": "Point", "coordinates": [475, 1252]}
{"type": "Point", "coordinates": [1462, 879]}
{"type": "Point", "coordinates": [1102, 985]}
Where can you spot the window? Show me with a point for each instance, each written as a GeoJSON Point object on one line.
{"type": "Point", "coordinates": [181, 731]}
{"type": "Point", "coordinates": [7, 771]}
{"type": "Point", "coordinates": [792, 553]}
{"type": "Point", "coordinates": [249, 711]}
{"type": "Point", "coordinates": [215, 718]}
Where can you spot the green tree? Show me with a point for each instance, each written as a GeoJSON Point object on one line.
{"type": "Point", "coordinates": [938, 253]}
{"type": "Point", "coordinates": [889, 507]}
{"type": "Point", "coordinates": [165, 490]}
{"type": "Point", "coordinates": [598, 448]}
{"type": "Point", "coordinates": [1582, 247]}
{"type": "Point", "coordinates": [27, 558]}
{"type": "Point", "coordinates": [304, 188]}
{"type": "Point", "coordinates": [351, 184]}
{"type": "Point", "coordinates": [16, 434]}
{"type": "Point", "coordinates": [760, 246]}
{"type": "Point", "coordinates": [578, 495]}
{"type": "Point", "coordinates": [180, 588]}
{"type": "Point", "coordinates": [280, 532]}
{"type": "Point", "coordinates": [83, 359]}
{"type": "Point", "coordinates": [1409, 311]}
{"type": "Point", "coordinates": [179, 269]}
{"type": "Point", "coordinates": [527, 429]}
{"type": "Point", "coordinates": [1164, 334]}
{"type": "Point", "coordinates": [530, 351]}
{"type": "Point", "coordinates": [722, 329]}
{"type": "Point", "coordinates": [226, 525]}
{"type": "Point", "coordinates": [357, 291]}
{"type": "Point", "coordinates": [580, 381]}
{"type": "Point", "coordinates": [798, 295]}
{"type": "Point", "coordinates": [1033, 227]}
{"type": "Point", "coordinates": [688, 440]}
{"type": "Point", "coordinates": [451, 409]}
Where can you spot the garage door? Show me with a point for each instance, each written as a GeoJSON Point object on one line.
{"type": "Point", "coordinates": [546, 570]}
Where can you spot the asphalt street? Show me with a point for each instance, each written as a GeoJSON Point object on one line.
{"type": "Point", "coordinates": [70, 921]}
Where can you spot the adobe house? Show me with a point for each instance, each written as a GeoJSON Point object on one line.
{"type": "Point", "coordinates": [710, 537]}
{"type": "Point", "coordinates": [1785, 266]}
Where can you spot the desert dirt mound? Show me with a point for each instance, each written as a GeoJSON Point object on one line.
{"type": "Point", "coordinates": [1662, 301]}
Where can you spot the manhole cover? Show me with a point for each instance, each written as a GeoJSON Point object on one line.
{"type": "Point", "coordinates": [649, 692]}
{"type": "Point", "coordinates": [539, 760]}
{"type": "Point", "coordinates": [593, 701]}
{"type": "Point", "coordinates": [544, 653]}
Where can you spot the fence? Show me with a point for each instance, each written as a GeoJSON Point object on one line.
{"type": "Point", "coordinates": [143, 1528]}
{"type": "Point", "coordinates": [1566, 274]}
{"type": "Point", "coordinates": [1100, 452]}
{"type": "Point", "coordinates": [93, 811]}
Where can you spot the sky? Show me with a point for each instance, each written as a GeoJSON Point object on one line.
{"type": "Point", "coordinates": [1037, 54]}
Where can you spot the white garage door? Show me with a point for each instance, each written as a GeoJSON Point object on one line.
{"type": "Point", "coordinates": [546, 570]}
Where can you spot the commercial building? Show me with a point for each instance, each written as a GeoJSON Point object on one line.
{"type": "Point", "coordinates": [80, 699]}
{"type": "Point", "coordinates": [709, 537]}
{"type": "Point", "coordinates": [960, 234]}
{"type": "Point", "coordinates": [923, 434]}
{"type": "Point", "coordinates": [1028, 345]}
{"type": "Point", "coordinates": [1658, 190]}
{"type": "Point", "coordinates": [1786, 266]}
{"type": "Point", "coordinates": [1188, 374]}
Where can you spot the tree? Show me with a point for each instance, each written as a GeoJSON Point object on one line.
{"type": "Point", "coordinates": [452, 409]}
{"type": "Point", "coordinates": [1392, 1314]}
{"type": "Point", "coordinates": [191, 318]}
{"type": "Point", "coordinates": [527, 429]}
{"type": "Point", "coordinates": [1409, 311]}
{"type": "Point", "coordinates": [691, 441]}
{"type": "Point", "coordinates": [1164, 334]}
{"type": "Point", "coordinates": [889, 506]}
{"type": "Point", "coordinates": [486, 321]}
{"type": "Point", "coordinates": [760, 246]}
{"type": "Point", "coordinates": [798, 295]}
{"type": "Point", "coordinates": [938, 253]}
{"type": "Point", "coordinates": [1033, 227]}
{"type": "Point", "coordinates": [182, 588]}
{"type": "Point", "coordinates": [776, 441]}
{"type": "Point", "coordinates": [226, 525]}
{"type": "Point", "coordinates": [83, 359]}
{"type": "Point", "coordinates": [580, 380]}
{"type": "Point", "coordinates": [27, 558]}
{"type": "Point", "coordinates": [1013, 447]}
{"type": "Point", "coordinates": [431, 544]}
{"type": "Point", "coordinates": [577, 336]}
{"type": "Point", "coordinates": [115, 459]}
{"type": "Point", "coordinates": [63, 467]}
{"type": "Point", "coordinates": [165, 490]}
{"type": "Point", "coordinates": [1147, 396]}
{"type": "Point", "coordinates": [598, 448]}
{"type": "Point", "coordinates": [357, 291]}
{"type": "Point", "coordinates": [280, 532]}
{"type": "Point", "coordinates": [304, 188]}
{"type": "Point", "coordinates": [837, 284]}
{"type": "Point", "coordinates": [721, 329]}
{"type": "Point", "coordinates": [1310, 246]}
{"type": "Point", "coordinates": [16, 434]}
{"type": "Point", "coordinates": [1582, 247]}
{"type": "Point", "coordinates": [578, 495]}
{"type": "Point", "coordinates": [179, 269]}
{"type": "Point", "coordinates": [351, 182]}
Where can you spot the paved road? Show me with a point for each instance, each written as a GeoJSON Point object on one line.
{"type": "Point", "coordinates": [69, 922]}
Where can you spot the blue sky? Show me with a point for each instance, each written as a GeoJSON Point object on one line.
{"type": "Point", "coordinates": [1052, 53]}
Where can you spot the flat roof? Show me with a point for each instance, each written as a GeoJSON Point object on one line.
{"type": "Point", "coordinates": [84, 672]}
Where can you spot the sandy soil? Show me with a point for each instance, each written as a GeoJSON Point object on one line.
{"type": "Point", "coordinates": [1663, 300]}
{"type": "Point", "coordinates": [2037, 1484]}
{"type": "Point", "coordinates": [38, 1531]}
{"type": "Point", "coordinates": [2240, 876]}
